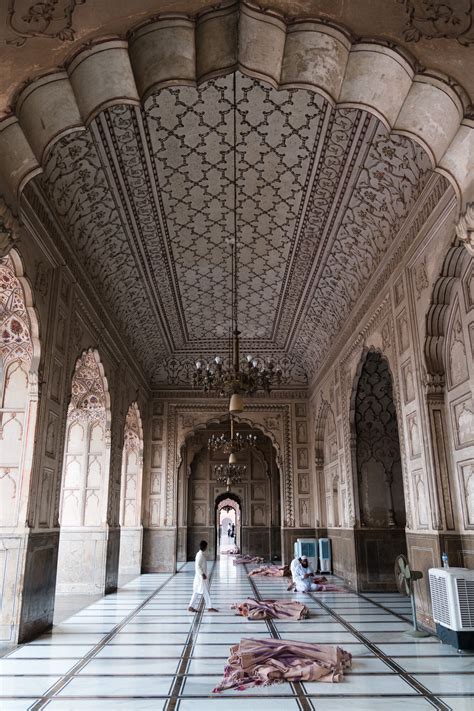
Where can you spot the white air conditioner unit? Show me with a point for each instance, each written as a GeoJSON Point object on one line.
{"type": "Point", "coordinates": [452, 599]}
{"type": "Point", "coordinates": [309, 548]}
{"type": "Point", "coordinates": [325, 557]}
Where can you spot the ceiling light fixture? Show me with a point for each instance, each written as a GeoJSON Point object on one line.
{"type": "Point", "coordinates": [235, 379]}
{"type": "Point", "coordinates": [229, 474]}
{"type": "Point", "coordinates": [233, 444]}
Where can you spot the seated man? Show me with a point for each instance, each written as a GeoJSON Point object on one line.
{"type": "Point", "coordinates": [304, 575]}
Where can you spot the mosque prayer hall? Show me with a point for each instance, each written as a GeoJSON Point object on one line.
{"type": "Point", "coordinates": [236, 355]}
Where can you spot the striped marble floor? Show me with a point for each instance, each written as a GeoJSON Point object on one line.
{"type": "Point", "coordinates": [141, 649]}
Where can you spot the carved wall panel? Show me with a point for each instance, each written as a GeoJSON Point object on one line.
{"type": "Point", "coordinates": [377, 446]}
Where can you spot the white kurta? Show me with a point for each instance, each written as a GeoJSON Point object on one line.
{"type": "Point", "coordinates": [304, 584]}
{"type": "Point", "coordinates": [200, 586]}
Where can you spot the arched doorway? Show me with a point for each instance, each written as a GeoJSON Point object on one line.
{"type": "Point", "coordinates": [258, 493]}
{"type": "Point", "coordinates": [380, 536]}
{"type": "Point", "coordinates": [84, 486]}
{"type": "Point", "coordinates": [228, 519]}
{"type": "Point", "coordinates": [19, 359]}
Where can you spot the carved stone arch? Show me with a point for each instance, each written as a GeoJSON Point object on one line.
{"type": "Point", "coordinates": [454, 265]}
{"type": "Point", "coordinates": [93, 354]}
{"type": "Point", "coordinates": [322, 57]}
{"type": "Point", "coordinates": [16, 261]}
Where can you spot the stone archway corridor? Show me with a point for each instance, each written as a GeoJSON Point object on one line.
{"type": "Point", "coordinates": [139, 649]}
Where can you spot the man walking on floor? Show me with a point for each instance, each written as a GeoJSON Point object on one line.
{"type": "Point", "coordinates": [200, 586]}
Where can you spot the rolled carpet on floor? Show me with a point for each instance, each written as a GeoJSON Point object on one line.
{"type": "Point", "coordinates": [271, 609]}
{"type": "Point", "coordinates": [272, 571]}
{"type": "Point", "coordinates": [261, 662]}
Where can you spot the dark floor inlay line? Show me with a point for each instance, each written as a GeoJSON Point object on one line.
{"type": "Point", "coordinates": [66, 678]}
{"type": "Point", "coordinates": [304, 703]}
{"type": "Point", "coordinates": [180, 676]}
{"type": "Point", "coordinates": [402, 673]}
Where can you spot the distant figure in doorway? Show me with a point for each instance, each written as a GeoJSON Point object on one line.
{"type": "Point", "coordinates": [232, 531]}
{"type": "Point", "coordinates": [229, 531]}
{"type": "Point", "coordinates": [304, 575]}
{"type": "Point", "coordinates": [200, 586]}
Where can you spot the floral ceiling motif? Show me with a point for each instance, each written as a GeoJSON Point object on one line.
{"type": "Point", "coordinates": [145, 197]}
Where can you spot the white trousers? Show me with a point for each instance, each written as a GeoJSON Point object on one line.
{"type": "Point", "coordinates": [306, 587]}
{"type": "Point", "coordinates": [196, 597]}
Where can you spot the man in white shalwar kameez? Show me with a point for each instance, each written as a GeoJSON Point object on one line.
{"type": "Point", "coordinates": [200, 585]}
{"type": "Point", "coordinates": [304, 575]}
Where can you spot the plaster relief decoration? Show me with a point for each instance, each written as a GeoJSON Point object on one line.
{"type": "Point", "coordinates": [439, 19]}
{"type": "Point", "coordinates": [413, 436]}
{"type": "Point", "coordinates": [420, 278]}
{"type": "Point", "coordinates": [302, 457]}
{"type": "Point", "coordinates": [408, 382]}
{"type": "Point", "coordinates": [458, 369]}
{"type": "Point", "coordinates": [157, 250]}
{"type": "Point", "coordinates": [399, 291]}
{"type": "Point", "coordinates": [16, 352]}
{"type": "Point", "coordinates": [300, 410]}
{"type": "Point", "coordinates": [304, 512]}
{"type": "Point", "coordinates": [466, 471]}
{"type": "Point", "coordinates": [421, 499]}
{"type": "Point", "coordinates": [463, 422]}
{"type": "Point", "coordinates": [301, 432]}
{"type": "Point", "coordinates": [53, 19]}
{"type": "Point", "coordinates": [402, 331]}
{"type": "Point", "coordinates": [303, 483]}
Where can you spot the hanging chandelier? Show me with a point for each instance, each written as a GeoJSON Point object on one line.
{"type": "Point", "coordinates": [233, 444]}
{"type": "Point", "coordinates": [229, 474]}
{"type": "Point", "coordinates": [235, 379]}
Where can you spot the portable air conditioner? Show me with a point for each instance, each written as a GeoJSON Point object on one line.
{"type": "Point", "coordinates": [325, 557]}
{"type": "Point", "coordinates": [452, 599]}
{"type": "Point", "coordinates": [309, 548]}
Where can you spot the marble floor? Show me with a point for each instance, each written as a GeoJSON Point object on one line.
{"type": "Point", "coordinates": [141, 649]}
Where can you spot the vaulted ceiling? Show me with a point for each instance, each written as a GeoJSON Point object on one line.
{"type": "Point", "coordinates": [144, 195]}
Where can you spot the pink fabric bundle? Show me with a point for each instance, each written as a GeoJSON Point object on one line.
{"type": "Point", "coordinates": [271, 609]}
{"type": "Point", "coordinates": [241, 559]}
{"type": "Point", "coordinates": [260, 662]}
{"type": "Point", "coordinates": [273, 571]}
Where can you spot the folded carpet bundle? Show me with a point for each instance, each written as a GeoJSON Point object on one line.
{"type": "Point", "coordinates": [241, 559]}
{"type": "Point", "coordinates": [271, 609]}
{"type": "Point", "coordinates": [261, 662]}
{"type": "Point", "coordinates": [272, 571]}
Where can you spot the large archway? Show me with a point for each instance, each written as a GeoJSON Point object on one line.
{"type": "Point", "coordinates": [19, 360]}
{"type": "Point", "coordinates": [258, 494]}
{"type": "Point", "coordinates": [380, 536]}
{"type": "Point", "coordinates": [84, 487]}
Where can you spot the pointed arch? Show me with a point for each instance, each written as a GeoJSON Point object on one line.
{"type": "Point", "coordinates": [131, 530]}
{"type": "Point", "coordinates": [85, 479]}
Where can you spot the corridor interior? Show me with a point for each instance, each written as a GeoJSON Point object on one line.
{"type": "Point", "coordinates": [140, 649]}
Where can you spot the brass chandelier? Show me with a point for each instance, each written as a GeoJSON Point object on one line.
{"type": "Point", "coordinates": [233, 444]}
{"type": "Point", "coordinates": [235, 379]}
{"type": "Point", "coordinates": [229, 474]}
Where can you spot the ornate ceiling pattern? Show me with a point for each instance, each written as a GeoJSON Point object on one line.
{"type": "Point", "coordinates": [145, 196]}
